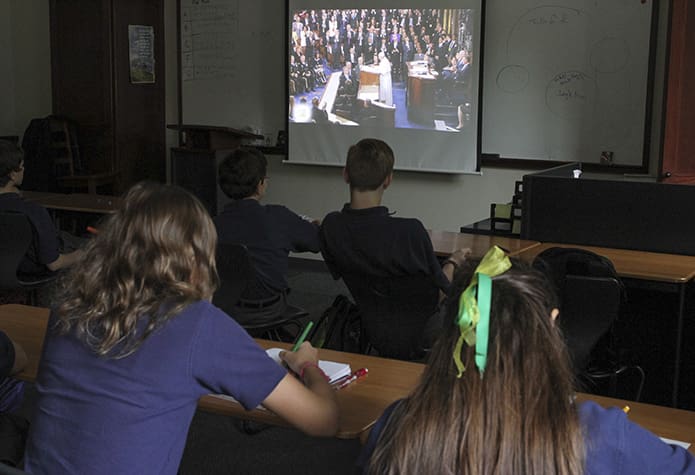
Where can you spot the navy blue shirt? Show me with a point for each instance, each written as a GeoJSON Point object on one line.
{"type": "Point", "coordinates": [270, 232]}
{"type": "Point", "coordinates": [97, 415]}
{"type": "Point", "coordinates": [45, 246]}
{"type": "Point", "coordinates": [6, 356]}
{"type": "Point", "coordinates": [614, 445]}
{"type": "Point", "coordinates": [373, 242]}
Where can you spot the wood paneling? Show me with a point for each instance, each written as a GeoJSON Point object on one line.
{"type": "Point", "coordinates": [678, 164]}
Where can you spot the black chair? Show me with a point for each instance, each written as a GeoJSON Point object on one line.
{"type": "Point", "coordinates": [589, 307]}
{"type": "Point", "coordinates": [394, 312]}
{"type": "Point", "coordinates": [17, 235]}
{"type": "Point", "coordinates": [591, 295]}
{"type": "Point", "coordinates": [236, 273]}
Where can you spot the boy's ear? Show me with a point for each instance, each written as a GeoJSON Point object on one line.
{"type": "Point", "coordinates": [554, 314]}
{"type": "Point", "coordinates": [345, 176]}
{"type": "Point", "coordinates": [388, 180]}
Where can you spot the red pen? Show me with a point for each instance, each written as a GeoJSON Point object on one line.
{"type": "Point", "coordinates": [353, 377]}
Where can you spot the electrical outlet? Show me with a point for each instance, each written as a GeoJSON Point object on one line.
{"type": "Point", "coordinates": [606, 158]}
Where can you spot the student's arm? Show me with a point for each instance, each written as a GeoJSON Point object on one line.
{"type": "Point", "coordinates": [453, 261]}
{"type": "Point", "coordinates": [12, 356]}
{"type": "Point", "coordinates": [449, 268]}
{"type": "Point", "coordinates": [304, 233]}
{"type": "Point", "coordinates": [20, 358]}
{"type": "Point", "coordinates": [65, 260]}
{"type": "Point", "coordinates": [311, 406]}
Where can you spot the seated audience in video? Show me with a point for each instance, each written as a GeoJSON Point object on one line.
{"type": "Point", "coordinates": [396, 68]}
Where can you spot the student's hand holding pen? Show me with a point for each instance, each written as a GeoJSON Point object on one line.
{"type": "Point", "coordinates": [304, 356]}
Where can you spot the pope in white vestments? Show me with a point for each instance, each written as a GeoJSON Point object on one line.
{"type": "Point", "coordinates": [385, 89]}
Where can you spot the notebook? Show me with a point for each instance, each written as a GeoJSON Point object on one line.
{"type": "Point", "coordinates": [333, 369]}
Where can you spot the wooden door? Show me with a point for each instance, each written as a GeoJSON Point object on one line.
{"type": "Point", "coordinates": [121, 124]}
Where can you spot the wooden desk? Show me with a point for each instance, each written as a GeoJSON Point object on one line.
{"type": "Point", "coordinates": [670, 273]}
{"type": "Point", "coordinates": [360, 403]}
{"type": "Point", "coordinates": [80, 202]}
{"type": "Point", "coordinates": [446, 242]}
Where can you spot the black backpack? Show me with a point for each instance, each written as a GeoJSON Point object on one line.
{"type": "Point", "coordinates": [339, 327]}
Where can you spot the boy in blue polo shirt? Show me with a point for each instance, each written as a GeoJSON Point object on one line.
{"type": "Point", "coordinates": [45, 252]}
{"type": "Point", "coordinates": [270, 232]}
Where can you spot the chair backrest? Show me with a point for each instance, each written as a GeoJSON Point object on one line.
{"type": "Point", "coordinates": [590, 293]}
{"type": "Point", "coordinates": [394, 311]}
{"type": "Point", "coordinates": [590, 305]}
{"type": "Point", "coordinates": [559, 262]}
{"type": "Point", "coordinates": [16, 232]}
{"type": "Point", "coordinates": [61, 145]}
{"type": "Point", "coordinates": [235, 269]}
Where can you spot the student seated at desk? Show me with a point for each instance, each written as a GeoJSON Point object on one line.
{"type": "Point", "coordinates": [48, 249]}
{"type": "Point", "coordinates": [497, 395]}
{"type": "Point", "coordinates": [364, 238]}
{"type": "Point", "coordinates": [134, 342]}
{"type": "Point", "coordinates": [270, 233]}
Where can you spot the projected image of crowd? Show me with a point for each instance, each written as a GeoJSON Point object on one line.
{"type": "Point", "coordinates": [403, 68]}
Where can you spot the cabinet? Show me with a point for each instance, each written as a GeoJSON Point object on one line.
{"type": "Point", "coordinates": [121, 125]}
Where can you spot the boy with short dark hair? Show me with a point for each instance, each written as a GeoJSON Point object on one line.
{"type": "Point", "coordinates": [46, 249]}
{"type": "Point", "coordinates": [270, 232]}
{"type": "Point", "coordinates": [364, 238]}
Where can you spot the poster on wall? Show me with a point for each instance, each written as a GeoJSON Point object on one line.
{"type": "Point", "coordinates": [141, 54]}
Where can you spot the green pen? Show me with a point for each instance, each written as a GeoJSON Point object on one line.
{"type": "Point", "coordinates": [303, 335]}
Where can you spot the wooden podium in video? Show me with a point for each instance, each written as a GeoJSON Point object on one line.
{"type": "Point", "coordinates": [376, 113]}
{"type": "Point", "coordinates": [369, 83]}
{"type": "Point", "coordinates": [421, 87]}
{"type": "Point", "coordinates": [194, 163]}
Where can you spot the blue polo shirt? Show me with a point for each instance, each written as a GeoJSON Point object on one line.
{"type": "Point", "coordinates": [270, 233]}
{"type": "Point", "coordinates": [45, 247]}
{"type": "Point", "coordinates": [614, 445]}
{"type": "Point", "coordinates": [131, 415]}
{"type": "Point", "coordinates": [371, 241]}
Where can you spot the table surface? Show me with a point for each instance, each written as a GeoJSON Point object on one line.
{"type": "Point", "coordinates": [655, 266]}
{"type": "Point", "coordinates": [446, 242]}
{"type": "Point", "coordinates": [81, 202]}
{"type": "Point", "coordinates": [361, 403]}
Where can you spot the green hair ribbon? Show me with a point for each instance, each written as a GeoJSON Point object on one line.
{"type": "Point", "coordinates": [474, 308]}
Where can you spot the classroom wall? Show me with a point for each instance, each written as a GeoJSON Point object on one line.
{"type": "Point", "coordinates": [7, 107]}
{"type": "Point", "coordinates": [25, 64]}
{"type": "Point", "coordinates": [440, 201]}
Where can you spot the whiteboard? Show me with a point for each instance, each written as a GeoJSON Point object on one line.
{"type": "Point", "coordinates": [562, 80]}
{"type": "Point", "coordinates": [566, 80]}
{"type": "Point", "coordinates": [233, 64]}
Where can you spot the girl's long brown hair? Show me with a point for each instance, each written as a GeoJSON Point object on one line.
{"type": "Point", "coordinates": [518, 418]}
{"type": "Point", "coordinates": [150, 259]}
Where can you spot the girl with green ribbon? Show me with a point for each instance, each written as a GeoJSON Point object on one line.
{"type": "Point", "coordinates": [497, 396]}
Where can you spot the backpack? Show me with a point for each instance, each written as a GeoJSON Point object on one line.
{"type": "Point", "coordinates": [339, 327]}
